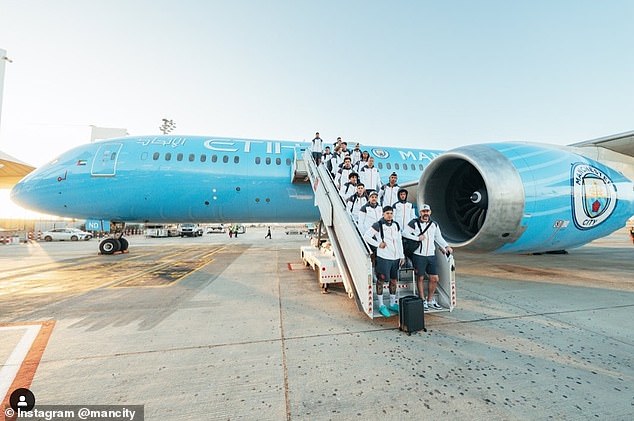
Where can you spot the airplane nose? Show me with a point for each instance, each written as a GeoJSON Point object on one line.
{"type": "Point", "coordinates": [27, 193]}
{"type": "Point", "coordinates": [18, 194]}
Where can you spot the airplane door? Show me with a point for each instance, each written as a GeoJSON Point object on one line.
{"type": "Point", "coordinates": [106, 158]}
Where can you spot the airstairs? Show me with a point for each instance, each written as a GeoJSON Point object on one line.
{"type": "Point", "coordinates": [349, 249]}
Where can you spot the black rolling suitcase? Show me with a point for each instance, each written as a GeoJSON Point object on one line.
{"type": "Point", "coordinates": [411, 315]}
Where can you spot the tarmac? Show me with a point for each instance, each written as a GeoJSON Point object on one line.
{"type": "Point", "coordinates": [214, 328]}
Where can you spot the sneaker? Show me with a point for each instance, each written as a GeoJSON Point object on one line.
{"type": "Point", "coordinates": [384, 311]}
{"type": "Point", "coordinates": [425, 306]}
{"type": "Point", "coordinates": [435, 305]}
{"type": "Point", "coordinates": [393, 307]}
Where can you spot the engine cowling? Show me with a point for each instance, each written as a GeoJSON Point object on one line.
{"type": "Point", "coordinates": [519, 197]}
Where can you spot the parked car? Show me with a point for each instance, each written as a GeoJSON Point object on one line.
{"type": "Point", "coordinates": [65, 234]}
{"type": "Point", "coordinates": [190, 230]}
{"type": "Point", "coordinates": [215, 229]}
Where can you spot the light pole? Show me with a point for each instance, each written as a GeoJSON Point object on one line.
{"type": "Point", "coordinates": [167, 126]}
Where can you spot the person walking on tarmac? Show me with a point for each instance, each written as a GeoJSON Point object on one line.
{"type": "Point", "coordinates": [268, 234]}
{"type": "Point", "coordinates": [426, 231]}
{"type": "Point", "coordinates": [385, 235]}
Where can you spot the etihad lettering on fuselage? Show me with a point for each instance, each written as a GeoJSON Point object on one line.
{"type": "Point", "coordinates": [163, 141]}
{"type": "Point", "coordinates": [593, 196]}
{"type": "Point", "coordinates": [232, 145]}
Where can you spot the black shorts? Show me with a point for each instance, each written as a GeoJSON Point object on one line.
{"type": "Point", "coordinates": [387, 268]}
{"type": "Point", "coordinates": [424, 264]}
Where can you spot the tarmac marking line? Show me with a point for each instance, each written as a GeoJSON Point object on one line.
{"type": "Point", "coordinates": [206, 255]}
{"type": "Point", "coordinates": [19, 369]}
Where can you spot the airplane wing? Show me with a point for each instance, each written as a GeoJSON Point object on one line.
{"type": "Point", "coordinates": [622, 143]}
{"type": "Point", "coordinates": [12, 170]}
{"type": "Point", "coordinates": [616, 151]}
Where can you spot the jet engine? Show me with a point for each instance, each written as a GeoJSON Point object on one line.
{"type": "Point", "coordinates": [519, 197]}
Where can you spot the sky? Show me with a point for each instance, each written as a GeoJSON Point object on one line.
{"type": "Point", "coordinates": [436, 74]}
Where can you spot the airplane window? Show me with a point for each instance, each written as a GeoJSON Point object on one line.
{"type": "Point", "coordinates": [288, 161]}
{"type": "Point", "coordinates": [225, 159]}
{"type": "Point", "coordinates": [278, 161]}
{"type": "Point", "coordinates": [179, 157]}
{"type": "Point", "coordinates": [191, 157]}
{"type": "Point", "coordinates": [113, 156]}
{"type": "Point", "coordinates": [396, 167]}
{"type": "Point", "coordinates": [380, 165]}
{"type": "Point", "coordinates": [420, 167]}
{"type": "Point", "coordinates": [156, 156]}
{"type": "Point", "coordinates": [203, 158]}
{"type": "Point", "coordinates": [144, 156]}
{"type": "Point", "coordinates": [257, 160]}
{"type": "Point", "coordinates": [405, 166]}
{"type": "Point", "coordinates": [236, 159]}
{"type": "Point", "coordinates": [388, 166]}
{"type": "Point", "coordinates": [214, 158]}
{"type": "Point", "coordinates": [168, 156]}
{"type": "Point", "coordinates": [268, 161]}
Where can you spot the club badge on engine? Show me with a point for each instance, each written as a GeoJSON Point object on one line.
{"type": "Point", "coordinates": [593, 196]}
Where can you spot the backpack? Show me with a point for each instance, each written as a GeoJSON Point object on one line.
{"type": "Point", "coordinates": [409, 245]}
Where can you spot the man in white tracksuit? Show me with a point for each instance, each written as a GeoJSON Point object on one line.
{"type": "Point", "coordinates": [389, 193]}
{"type": "Point", "coordinates": [369, 213]}
{"type": "Point", "coordinates": [426, 231]}
{"type": "Point", "coordinates": [385, 235]}
{"type": "Point", "coordinates": [403, 210]}
{"type": "Point", "coordinates": [356, 201]}
{"type": "Point", "coordinates": [370, 177]}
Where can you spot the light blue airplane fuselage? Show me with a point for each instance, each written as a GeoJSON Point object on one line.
{"type": "Point", "coordinates": [211, 179]}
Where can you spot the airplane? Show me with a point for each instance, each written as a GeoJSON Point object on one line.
{"type": "Point", "coordinates": [504, 197]}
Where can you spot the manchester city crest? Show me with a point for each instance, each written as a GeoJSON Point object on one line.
{"type": "Point", "coordinates": [380, 153]}
{"type": "Point", "coordinates": [593, 196]}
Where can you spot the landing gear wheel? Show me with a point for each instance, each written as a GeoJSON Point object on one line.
{"type": "Point", "coordinates": [124, 244]}
{"type": "Point", "coordinates": [109, 246]}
